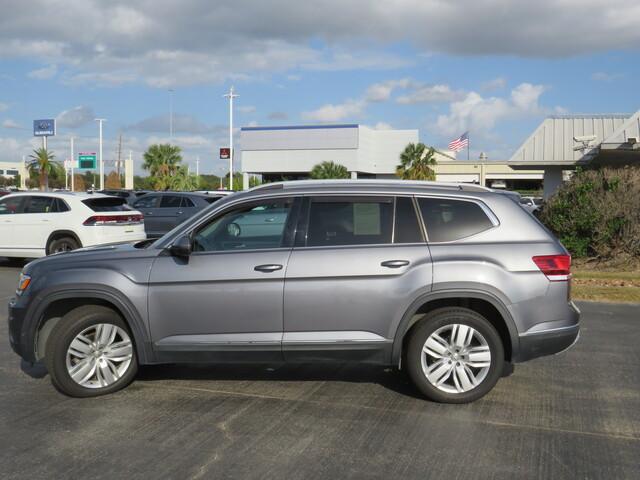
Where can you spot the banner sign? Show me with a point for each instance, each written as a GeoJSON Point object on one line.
{"type": "Point", "coordinates": [44, 128]}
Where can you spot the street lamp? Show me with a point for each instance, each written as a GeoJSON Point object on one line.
{"type": "Point", "coordinates": [171, 115]}
{"type": "Point", "coordinates": [231, 96]}
{"type": "Point", "coordinates": [100, 120]}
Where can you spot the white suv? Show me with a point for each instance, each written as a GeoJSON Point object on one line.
{"type": "Point", "coordinates": [36, 224]}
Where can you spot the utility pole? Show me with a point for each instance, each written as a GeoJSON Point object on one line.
{"type": "Point", "coordinates": [100, 120]}
{"type": "Point", "coordinates": [171, 115]}
{"type": "Point", "coordinates": [119, 157]}
{"type": "Point", "coordinates": [73, 161]}
{"type": "Point", "coordinates": [198, 167]}
{"type": "Point", "coordinates": [231, 96]}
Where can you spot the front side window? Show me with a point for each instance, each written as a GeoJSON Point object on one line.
{"type": "Point", "coordinates": [39, 205]}
{"type": "Point", "coordinates": [447, 220]}
{"type": "Point", "coordinates": [255, 226]}
{"type": "Point", "coordinates": [350, 221]}
{"type": "Point", "coordinates": [11, 205]}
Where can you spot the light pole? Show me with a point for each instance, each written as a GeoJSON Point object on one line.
{"type": "Point", "coordinates": [100, 120]}
{"type": "Point", "coordinates": [231, 96]}
{"type": "Point", "coordinates": [171, 115]}
{"type": "Point", "coordinates": [73, 161]}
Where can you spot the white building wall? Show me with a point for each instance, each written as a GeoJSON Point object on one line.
{"type": "Point", "coordinates": [380, 150]}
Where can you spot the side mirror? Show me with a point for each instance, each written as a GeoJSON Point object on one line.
{"type": "Point", "coordinates": [181, 247]}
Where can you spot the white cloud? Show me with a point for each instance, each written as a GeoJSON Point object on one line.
{"type": "Point", "coordinates": [43, 73]}
{"type": "Point", "coordinates": [431, 94]}
{"type": "Point", "coordinates": [480, 115]}
{"type": "Point", "coordinates": [11, 124]}
{"type": "Point", "coordinates": [336, 112]}
{"type": "Point", "coordinates": [294, 78]}
{"type": "Point", "coordinates": [3, 107]}
{"type": "Point", "coordinates": [246, 109]}
{"type": "Point", "coordinates": [605, 77]}
{"type": "Point", "coordinates": [75, 117]}
{"type": "Point", "coordinates": [278, 116]}
{"type": "Point", "coordinates": [381, 92]}
{"type": "Point", "coordinates": [199, 41]}
{"type": "Point", "coordinates": [495, 84]}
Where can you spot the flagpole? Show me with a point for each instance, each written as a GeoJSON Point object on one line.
{"type": "Point", "coordinates": [468, 143]}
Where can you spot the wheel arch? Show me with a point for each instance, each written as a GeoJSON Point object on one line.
{"type": "Point", "coordinates": [56, 234]}
{"type": "Point", "coordinates": [484, 303]}
{"type": "Point", "coordinates": [60, 303]}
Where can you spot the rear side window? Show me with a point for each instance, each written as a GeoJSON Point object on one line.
{"type": "Point", "coordinates": [407, 228]}
{"type": "Point", "coordinates": [107, 204]}
{"type": "Point", "coordinates": [11, 205]}
{"type": "Point", "coordinates": [150, 201]}
{"type": "Point", "coordinates": [212, 199]}
{"type": "Point", "coordinates": [170, 201]}
{"type": "Point", "coordinates": [59, 206]}
{"type": "Point", "coordinates": [187, 203]}
{"type": "Point", "coordinates": [447, 220]}
{"type": "Point", "coordinates": [345, 221]}
{"type": "Point", "coordinates": [39, 205]}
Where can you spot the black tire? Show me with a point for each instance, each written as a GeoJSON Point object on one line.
{"type": "Point", "coordinates": [441, 318]}
{"type": "Point", "coordinates": [64, 333]}
{"type": "Point", "coordinates": [62, 244]}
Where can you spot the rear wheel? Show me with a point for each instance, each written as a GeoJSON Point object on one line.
{"type": "Point", "coordinates": [454, 355]}
{"type": "Point", "coordinates": [62, 244]}
{"type": "Point", "coordinates": [90, 352]}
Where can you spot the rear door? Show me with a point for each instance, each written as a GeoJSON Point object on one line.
{"type": "Point", "coordinates": [357, 264]}
{"type": "Point", "coordinates": [188, 208]}
{"type": "Point", "coordinates": [147, 205]}
{"type": "Point", "coordinates": [169, 210]}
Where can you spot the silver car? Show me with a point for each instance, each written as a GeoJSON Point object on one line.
{"type": "Point", "coordinates": [451, 283]}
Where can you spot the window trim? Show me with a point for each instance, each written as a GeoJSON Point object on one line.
{"type": "Point", "coordinates": [487, 211]}
{"type": "Point", "coordinates": [288, 235]}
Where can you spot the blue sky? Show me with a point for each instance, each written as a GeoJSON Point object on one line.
{"type": "Point", "coordinates": [494, 67]}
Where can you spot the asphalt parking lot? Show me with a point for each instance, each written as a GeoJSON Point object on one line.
{"type": "Point", "coordinates": [575, 415]}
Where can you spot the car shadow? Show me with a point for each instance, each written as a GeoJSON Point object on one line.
{"type": "Point", "coordinates": [389, 378]}
{"type": "Point", "coordinates": [13, 262]}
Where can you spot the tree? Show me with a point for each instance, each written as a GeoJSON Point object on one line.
{"type": "Point", "coordinates": [113, 180]}
{"type": "Point", "coordinates": [416, 161]}
{"type": "Point", "coordinates": [78, 183]}
{"type": "Point", "coordinates": [328, 170]}
{"type": "Point", "coordinates": [181, 180]}
{"type": "Point", "coordinates": [42, 165]}
{"type": "Point", "coordinates": [162, 160]}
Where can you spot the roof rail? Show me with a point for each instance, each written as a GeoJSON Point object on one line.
{"type": "Point", "coordinates": [373, 182]}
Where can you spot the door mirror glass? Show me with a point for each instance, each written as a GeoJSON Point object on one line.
{"type": "Point", "coordinates": [181, 247]}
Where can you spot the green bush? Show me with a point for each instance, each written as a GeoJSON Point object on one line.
{"type": "Point", "coordinates": [597, 213]}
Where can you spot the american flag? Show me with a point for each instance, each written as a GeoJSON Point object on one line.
{"type": "Point", "coordinates": [459, 143]}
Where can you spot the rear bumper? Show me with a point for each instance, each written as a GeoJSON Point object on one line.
{"type": "Point", "coordinates": [540, 343]}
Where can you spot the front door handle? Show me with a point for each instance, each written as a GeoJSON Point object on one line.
{"type": "Point", "coordinates": [395, 263]}
{"type": "Point", "coordinates": [270, 267]}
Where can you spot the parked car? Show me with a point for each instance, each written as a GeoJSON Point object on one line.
{"type": "Point", "coordinates": [530, 203]}
{"type": "Point", "coordinates": [38, 224]}
{"type": "Point", "coordinates": [131, 196]}
{"type": "Point", "coordinates": [452, 283]}
{"type": "Point", "coordinates": [163, 211]}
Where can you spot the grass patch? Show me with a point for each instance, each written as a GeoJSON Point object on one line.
{"type": "Point", "coordinates": [606, 286]}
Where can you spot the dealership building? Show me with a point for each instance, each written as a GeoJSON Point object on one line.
{"type": "Point", "coordinates": [10, 170]}
{"type": "Point", "coordinates": [549, 154]}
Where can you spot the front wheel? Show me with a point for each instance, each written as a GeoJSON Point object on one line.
{"type": "Point", "coordinates": [90, 352]}
{"type": "Point", "coordinates": [454, 355]}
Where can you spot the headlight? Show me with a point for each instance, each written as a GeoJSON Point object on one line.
{"type": "Point", "coordinates": [24, 282]}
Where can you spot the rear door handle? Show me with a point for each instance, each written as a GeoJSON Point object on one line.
{"type": "Point", "coordinates": [395, 263]}
{"type": "Point", "coordinates": [270, 267]}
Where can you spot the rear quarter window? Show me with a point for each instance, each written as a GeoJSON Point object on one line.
{"type": "Point", "coordinates": [107, 204]}
{"type": "Point", "coordinates": [447, 220]}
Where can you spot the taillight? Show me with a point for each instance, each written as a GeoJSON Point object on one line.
{"type": "Point", "coordinates": [557, 268]}
{"type": "Point", "coordinates": [101, 220]}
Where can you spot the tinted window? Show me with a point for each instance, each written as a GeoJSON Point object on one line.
{"type": "Point", "coordinates": [250, 227]}
{"type": "Point", "coordinates": [407, 229]}
{"type": "Point", "coordinates": [38, 205]}
{"type": "Point", "coordinates": [59, 206]}
{"type": "Point", "coordinates": [11, 205]}
{"type": "Point", "coordinates": [358, 221]}
{"type": "Point", "coordinates": [107, 204]}
{"type": "Point", "coordinates": [448, 220]}
{"type": "Point", "coordinates": [187, 203]}
{"type": "Point", "coordinates": [212, 199]}
{"type": "Point", "coordinates": [170, 201]}
{"type": "Point", "coordinates": [149, 201]}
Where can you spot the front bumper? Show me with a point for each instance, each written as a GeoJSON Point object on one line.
{"type": "Point", "coordinates": [16, 320]}
{"type": "Point", "coordinates": [540, 343]}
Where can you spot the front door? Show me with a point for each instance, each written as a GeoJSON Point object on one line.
{"type": "Point", "coordinates": [10, 237]}
{"type": "Point", "coordinates": [357, 265]}
{"type": "Point", "coordinates": [225, 300]}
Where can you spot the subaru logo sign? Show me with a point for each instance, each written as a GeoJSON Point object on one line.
{"type": "Point", "coordinates": [44, 128]}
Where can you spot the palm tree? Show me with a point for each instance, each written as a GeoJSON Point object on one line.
{"type": "Point", "coordinates": [328, 170]}
{"type": "Point", "coordinates": [162, 159]}
{"type": "Point", "coordinates": [42, 164]}
{"type": "Point", "coordinates": [415, 163]}
{"type": "Point", "coordinates": [182, 180]}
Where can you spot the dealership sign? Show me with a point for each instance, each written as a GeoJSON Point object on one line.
{"type": "Point", "coordinates": [44, 128]}
{"type": "Point", "coordinates": [225, 153]}
{"type": "Point", "coordinates": [87, 161]}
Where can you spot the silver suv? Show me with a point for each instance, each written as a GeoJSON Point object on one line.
{"type": "Point", "coordinates": [451, 283]}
